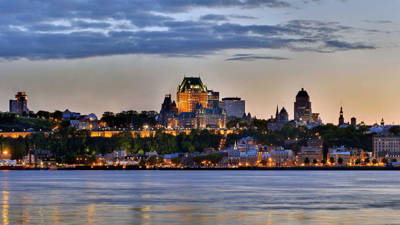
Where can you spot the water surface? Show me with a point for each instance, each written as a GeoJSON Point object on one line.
{"type": "Point", "coordinates": [200, 197]}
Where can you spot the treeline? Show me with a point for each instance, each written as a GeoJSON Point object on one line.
{"type": "Point", "coordinates": [295, 137]}
{"type": "Point", "coordinates": [69, 144]}
{"type": "Point", "coordinates": [14, 122]}
{"type": "Point", "coordinates": [130, 119]}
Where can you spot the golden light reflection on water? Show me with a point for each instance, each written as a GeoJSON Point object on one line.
{"type": "Point", "coordinates": [6, 206]}
{"type": "Point", "coordinates": [91, 214]}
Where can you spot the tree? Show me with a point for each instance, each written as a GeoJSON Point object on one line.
{"type": "Point", "coordinates": [358, 161]}
{"type": "Point", "coordinates": [323, 161]}
{"type": "Point", "coordinates": [340, 161]}
{"type": "Point", "coordinates": [142, 162]}
{"type": "Point", "coordinates": [307, 161]}
{"type": "Point", "coordinates": [394, 160]}
{"type": "Point", "coordinates": [152, 160]}
{"type": "Point", "coordinates": [367, 160]}
{"type": "Point", "coordinates": [374, 161]}
{"type": "Point", "coordinates": [332, 160]}
{"type": "Point", "coordinates": [385, 160]}
{"type": "Point", "coordinates": [315, 161]}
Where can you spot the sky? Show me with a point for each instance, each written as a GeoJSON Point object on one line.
{"type": "Point", "coordinates": [96, 56]}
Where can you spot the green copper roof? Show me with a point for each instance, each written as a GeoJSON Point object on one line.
{"type": "Point", "coordinates": [192, 83]}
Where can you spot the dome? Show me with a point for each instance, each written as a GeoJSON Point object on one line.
{"type": "Point", "coordinates": [283, 110]}
{"type": "Point", "coordinates": [302, 94]}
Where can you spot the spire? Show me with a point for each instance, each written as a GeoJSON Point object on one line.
{"type": "Point", "coordinates": [277, 112]}
{"type": "Point", "coordinates": [341, 118]}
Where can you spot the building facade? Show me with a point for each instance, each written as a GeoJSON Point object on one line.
{"type": "Point", "coordinates": [196, 108]}
{"type": "Point", "coordinates": [234, 107]}
{"type": "Point", "coordinates": [191, 92]}
{"type": "Point", "coordinates": [386, 147]}
{"type": "Point", "coordinates": [302, 107]}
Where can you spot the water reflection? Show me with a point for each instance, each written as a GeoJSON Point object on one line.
{"type": "Point", "coordinates": [6, 206]}
{"type": "Point", "coordinates": [200, 197]}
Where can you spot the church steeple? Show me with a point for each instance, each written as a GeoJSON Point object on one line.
{"type": "Point", "coordinates": [341, 118]}
{"type": "Point", "coordinates": [277, 112]}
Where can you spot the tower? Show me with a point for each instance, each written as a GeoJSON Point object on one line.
{"type": "Point", "coordinates": [341, 118]}
{"type": "Point", "coordinates": [302, 107]}
{"type": "Point", "coordinates": [191, 92]}
{"type": "Point", "coordinates": [20, 104]}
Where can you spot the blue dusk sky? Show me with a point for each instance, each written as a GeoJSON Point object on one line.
{"type": "Point", "coordinates": [114, 55]}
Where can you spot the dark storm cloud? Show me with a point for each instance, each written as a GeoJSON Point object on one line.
{"type": "Point", "coordinates": [252, 57]}
{"type": "Point", "coordinates": [39, 29]}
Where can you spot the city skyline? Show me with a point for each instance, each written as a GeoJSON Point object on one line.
{"type": "Point", "coordinates": [342, 59]}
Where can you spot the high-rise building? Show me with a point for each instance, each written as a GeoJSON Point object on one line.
{"type": "Point", "coordinates": [234, 107]}
{"type": "Point", "coordinates": [302, 107]}
{"type": "Point", "coordinates": [191, 92]}
{"type": "Point", "coordinates": [341, 117]}
{"type": "Point", "coordinates": [212, 99]}
{"type": "Point", "coordinates": [20, 104]}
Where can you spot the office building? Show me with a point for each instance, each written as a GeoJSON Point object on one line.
{"type": "Point", "coordinates": [302, 107]}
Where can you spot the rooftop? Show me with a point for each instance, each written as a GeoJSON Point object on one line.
{"type": "Point", "coordinates": [192, 83]}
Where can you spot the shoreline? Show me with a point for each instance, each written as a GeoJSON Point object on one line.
{"type": "Point", "coordinates": [355, 168]}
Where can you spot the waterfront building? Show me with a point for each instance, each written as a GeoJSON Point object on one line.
{"type": "Point", "coordinates": [233, 157]}
{"type": "Point", "coordinates": [339, 153]}
{"type": "Point", "coordinates": [234, 107]}
{"type": "Point", "coordinates": [386, 147]}
{"type": "Point", "coordinates": [190, 93]}
{"type": "Point", "coordinates": [281, 157]}
{"type": "Point", "coordinates": [310, 153]}
{"type": "Point", "coordinates": [20, 104]}
{"type": "Point", "coordinates": [302, 107]}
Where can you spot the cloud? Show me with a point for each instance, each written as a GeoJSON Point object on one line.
{"type": "Point", "coordinates": [378, 21]}
{"type": "Point", "coordinates": [76, 29]}
{"type": "Point", "coordinates": [213, 17]}
{"type": "Point", "coordinates": [252, 57]}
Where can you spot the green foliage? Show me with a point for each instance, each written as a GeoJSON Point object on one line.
{"type": "Point", "coordinates": [306, 161]}
{"type": "Point", "coordinates": [395, 130]}
{"type": "Point", "coordinates": [14, 122]}
{"type": "Point", "coordinates": [340, 161]}
{"type": "Point", "coordinates": [152, 160]}
{"type": "Point", "coordinates": [126, 119]}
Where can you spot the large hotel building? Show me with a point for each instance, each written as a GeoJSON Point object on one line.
{"type": "Point", "coordinates": [195, 108]}
{"type": "Point", "coordinates": [191, 92]}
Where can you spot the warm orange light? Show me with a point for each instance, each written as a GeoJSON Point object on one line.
{"type": "Point", "coordinates": [5, 152]}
